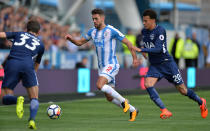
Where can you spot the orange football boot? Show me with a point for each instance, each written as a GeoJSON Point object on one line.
{"type": "Point", "coordinates": [125, 105]}
{"type": "Point", "coordinates": [133, 115]}
{"type": "Point", "coordinates": [203, 107]}
{"type": "Point", "coordinates": [165, 114]}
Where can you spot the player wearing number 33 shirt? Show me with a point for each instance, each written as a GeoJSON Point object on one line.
{"type": "Point", "coordinates": [26, 49]}
{"type": "Point", "coordinates": [22, 65]}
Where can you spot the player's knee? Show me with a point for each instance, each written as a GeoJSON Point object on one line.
{"type": "Point", "coordinates": [182, 90]}
{"type": "Point", "coordinates": [147, 85]}
{"type": "Point", "coordinates": [108, 97]}
{"type": "Point", "coordinates": [99, 85]}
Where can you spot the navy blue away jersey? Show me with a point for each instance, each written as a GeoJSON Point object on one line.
{"type": "Point", "coordinates": [26, 46]}
{"type": "Point", "coordinates": [155, 45]}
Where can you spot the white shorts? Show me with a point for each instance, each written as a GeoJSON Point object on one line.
{"type": "Point", "coordinates": [109, 71]}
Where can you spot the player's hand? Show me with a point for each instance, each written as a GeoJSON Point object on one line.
{"type": "Point", "coordinates": [136, 62]}
{"type": "Point", "coordinates": [68, 37]}
{"type": "Point", "coordinates": [136, 49]}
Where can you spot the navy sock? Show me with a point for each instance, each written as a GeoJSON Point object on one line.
{"type": "Point", "coordinates": [34, 106]}
{"type": "Point", "coordinates": [191, 94]}
{"type": "Point", "coordinates": [9, 100]}
{"type": "Point", "coordinates": [155, 97]}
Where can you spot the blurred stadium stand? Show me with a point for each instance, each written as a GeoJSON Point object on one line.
{"type": "Point", "coordinates": [59, 17]}
{"type": "Point", "coordinates": [175, 16]}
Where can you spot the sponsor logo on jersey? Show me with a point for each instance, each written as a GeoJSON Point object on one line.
{"type": "Point", "coordinates": [149, 45]}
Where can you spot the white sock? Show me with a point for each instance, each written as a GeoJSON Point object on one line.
{"type": "Point", "coordinates": [131, 109]}
{"type": "Point", "coordinates": [109, 90]}
{"type": "Point", "coordinates": [118, 103]}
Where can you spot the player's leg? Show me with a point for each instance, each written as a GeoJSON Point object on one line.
{"type": "Point", "coordinates": [106, 75]}
{"type": "Point", "coordinates": [34, 105]}
{"type": "Point", "coordinates": [30, 81]}
{"type": "Point", "coordinates": [176, 78]}
{"type": "Point", "coordinates": [11, 79]}
{"type": "Point", "coordinates": [133, 111]}
{"type": "Point", "coordinates": [110, 98]}
{"type": "Point", "coordinates": [154, 96]}
{"type": "Point", "coordinates": [8, 97]}
{"type": "Point", "coordinates": [102, 85]}
{"type": "Point", "coordinates": [192, 95]}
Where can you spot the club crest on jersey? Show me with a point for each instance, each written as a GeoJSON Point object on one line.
{"type": "Point", "coordinates": [105, 34]}
{"type": "Point", "coordinates": [152, 36]}
{"type": "Point", "coordinates": [161, 37]}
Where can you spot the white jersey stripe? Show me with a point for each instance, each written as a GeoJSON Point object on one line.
{"type": "Point", "coordinates": [105, 43]}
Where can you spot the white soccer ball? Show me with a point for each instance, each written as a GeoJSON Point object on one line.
{"type": "Point", "coordinates": [54, 111]}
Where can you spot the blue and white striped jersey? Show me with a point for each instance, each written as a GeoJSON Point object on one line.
{"type": "Point", "coordinates": [105, 43]}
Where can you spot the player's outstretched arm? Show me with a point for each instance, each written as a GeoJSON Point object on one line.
{"type": "Point", "coordinates": [3, 35]}
{"type": "Point", "coordinates": [133, 50]}
{"type": "Point", "coordinates": [76, 42]}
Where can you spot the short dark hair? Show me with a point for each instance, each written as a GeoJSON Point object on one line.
{"type": "Point", "coordinates": [151, 13]}
{"type": "Point", "coordinates": [33, 26]}
{"type": "Point", "coordinates": [97, 11]}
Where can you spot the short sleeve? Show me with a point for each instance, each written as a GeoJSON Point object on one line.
{"type": "Point", "coordinates": [88, 35]}
{"type": "Point", "coordinates": [40, 54]}
{"type": "Point", "coordinates": [118, 35]}
{"type": "Point", "coordinates": [11, 35]}
{"type": "Point", "coordinates": [160, 41]}
{"type": "Point", "coordinates": [161, 35]}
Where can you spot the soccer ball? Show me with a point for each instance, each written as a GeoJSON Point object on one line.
{"type": "Point", "coordinates": [54, 111]}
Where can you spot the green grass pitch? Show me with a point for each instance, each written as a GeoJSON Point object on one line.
{"type": "Point", "coordinates": [100, 115]}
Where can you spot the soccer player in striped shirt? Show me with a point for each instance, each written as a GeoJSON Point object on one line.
{"type": "Point", "coordinates": [104, 38]}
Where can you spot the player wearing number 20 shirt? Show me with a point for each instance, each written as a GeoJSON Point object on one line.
{"type": "Point", "coordinates": [162, 64]}
{"type": "Point", "coordinates": [26, 50]}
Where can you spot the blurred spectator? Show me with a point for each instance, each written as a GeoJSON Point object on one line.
{"type": "Point", "coordinates": [206, 49]}
{"type": "Point", "coordinates": [132, 38]}
{"type": "Point", "coordinates": [176, 47]}
{"type": "Point", "coordinates": [128, 58]}
{"type": "Point", "coordinates": [46, 64]}
{"type": "Point", "coordinates": [139, 40]}
{"type": "Point", "coordinates": [190, 53]}
{"type": "Point", "coordinates": [83, 63]}
{"type": "Point", "coordinates": [194, 39]}
{"type": "Point", "coordinates": [51, 33]}
{"type": "Point", "coordinates": [73, 48]}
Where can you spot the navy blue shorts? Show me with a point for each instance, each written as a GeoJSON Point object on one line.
{"type": "Point", "coordinates": [167, 70]}
{"type": "Point", "coordinates": [15, 71]}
